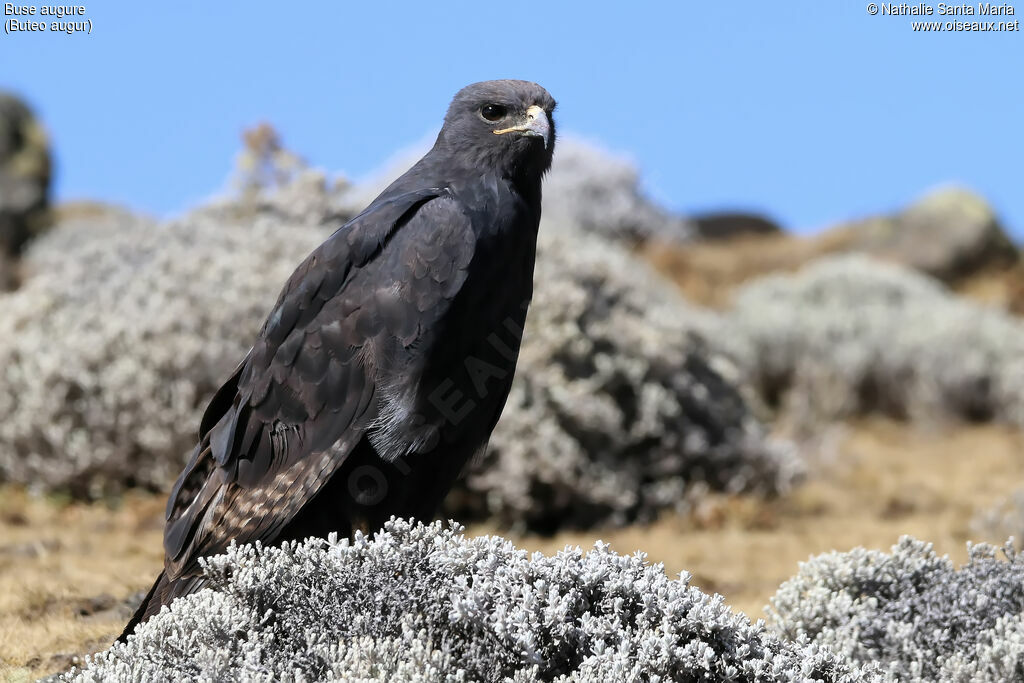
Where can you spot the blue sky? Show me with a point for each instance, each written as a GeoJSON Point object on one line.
{"type": "Point", "coordinates": [811, 111]}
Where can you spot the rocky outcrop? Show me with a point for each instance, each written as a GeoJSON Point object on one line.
{"type": "Point", "coordinates": [949, 233]}
{"type": "Point", "coordinates": [24, 183]}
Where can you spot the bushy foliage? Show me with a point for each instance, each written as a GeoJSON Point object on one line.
{"type": "Point", "coordinates": [596, 191]}
{"type": "Point", "coordinates": [127, 327]}
{"type": "Point", "coordinates": [587, 188]}
{"type": "Point", "coordinates": [911, 611]}
{"type": "Point", "coordinates": [849, 334]}
{"type": "Point", "coordinates": [617, 410]}
{"type": "Point", "coordinates": [121, 335]}
{"type": "Point", "coordinates": [309, 198]}
{"type": "Point", "coordinates": [1002, 519]}
{"type": "Point", "coordinates": [424, 603]}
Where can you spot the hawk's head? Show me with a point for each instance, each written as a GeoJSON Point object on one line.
{"type": "Point", "coordinates": [506, 125]}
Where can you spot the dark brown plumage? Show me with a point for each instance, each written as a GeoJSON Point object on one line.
{"type": "Point", "coordinates": [388, 357]}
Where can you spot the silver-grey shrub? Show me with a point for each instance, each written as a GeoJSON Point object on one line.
{"type": "Point", "coordinates": [128, 326]}
{"type": "Point", "coordinates": [1001, 518]}
{"type": "Point", "coordinates": [850, 334]}
{"type": "Point", "coordinates": [120, 335]}
{"type": "Point", "coordinates": [911, 611]}
{"type": "Point", "coordinates": [588, 188]}
{"type": "Point", "coordinates": [424, 603]}
{"type": "Point", "coordinates": [597, 191]}
{"type": "Point", "coordinates": [618, 409]}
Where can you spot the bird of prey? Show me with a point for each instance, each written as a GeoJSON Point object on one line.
{"type": "Point", "coordinates": [386, 361]}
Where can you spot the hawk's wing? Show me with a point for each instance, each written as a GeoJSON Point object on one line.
{"type": "Point", "coordinates": [296, 406]}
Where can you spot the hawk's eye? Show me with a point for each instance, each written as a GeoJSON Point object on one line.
{"type": "Point", "coordinates": [493, 112]}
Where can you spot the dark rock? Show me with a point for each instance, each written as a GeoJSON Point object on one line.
{"type": "Point", "coordinates": [729, 225]}
{"type": "Point", "coordinates": [24, 180]}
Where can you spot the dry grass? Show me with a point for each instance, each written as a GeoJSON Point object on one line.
{"type": "Point", "coordinates": [1000, 287]}
{"type": "Point", "coordinates": [876, 481]}
{"type": "Point", "coordinates": [66, 570]}
{"type": "Point", "coordinates": [709, 272]}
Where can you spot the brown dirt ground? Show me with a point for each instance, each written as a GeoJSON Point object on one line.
{"type": "Point", "coordinates": [67, 569]}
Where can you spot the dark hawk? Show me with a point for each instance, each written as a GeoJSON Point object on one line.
{"type": "Point", "coordinates": [386, 361]}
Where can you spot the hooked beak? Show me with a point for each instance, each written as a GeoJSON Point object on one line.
{"type": "Point", "coordinates": [536, 126]}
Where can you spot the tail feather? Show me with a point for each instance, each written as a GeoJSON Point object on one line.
{"type": "Point", "coordinates": [162, 593]}
{"type": "Point", "coordinates": [145, 610]}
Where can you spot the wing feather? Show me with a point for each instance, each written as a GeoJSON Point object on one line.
{"type": "Point", "coordinates": [297, 405]}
